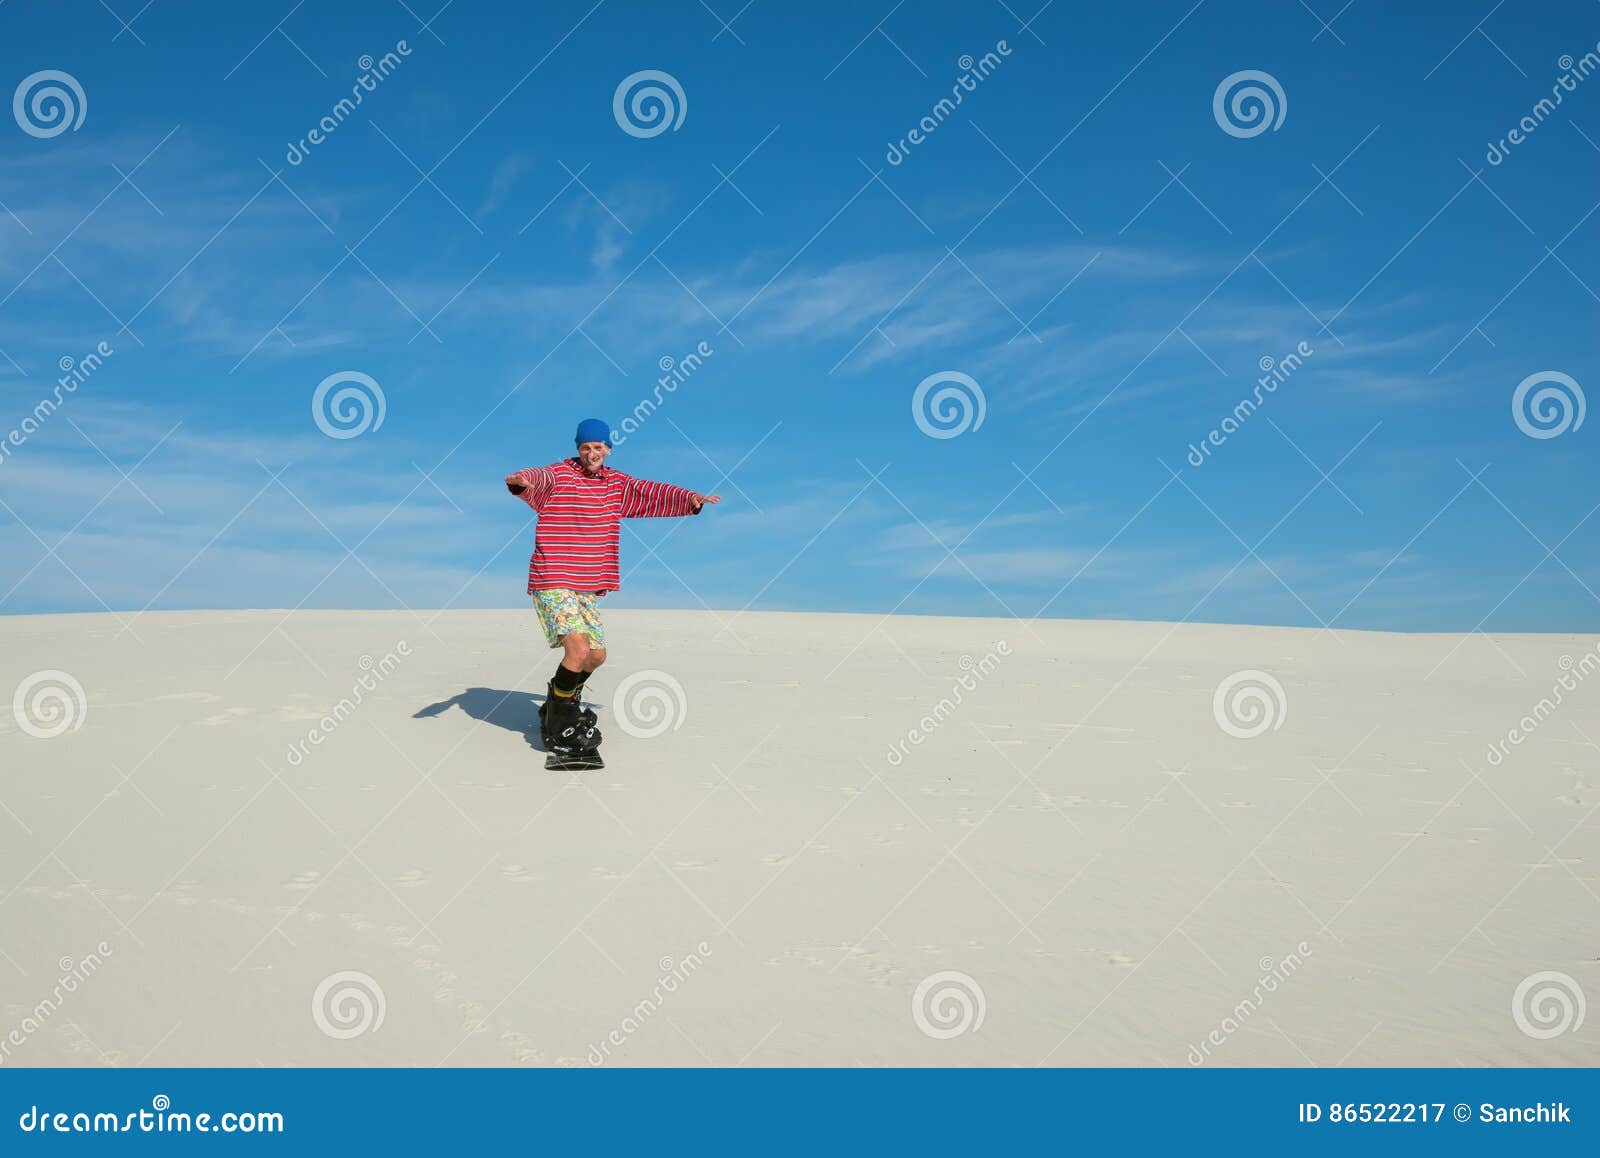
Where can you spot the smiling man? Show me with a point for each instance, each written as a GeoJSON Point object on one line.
{"type": "Point", "coordinates": [581, 502]}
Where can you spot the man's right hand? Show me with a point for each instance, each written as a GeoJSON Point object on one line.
{"type": "Point", "coordinates": [515, 485]}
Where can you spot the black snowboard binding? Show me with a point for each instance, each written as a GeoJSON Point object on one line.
{"type": "Point", "coordinates": [568, 731]}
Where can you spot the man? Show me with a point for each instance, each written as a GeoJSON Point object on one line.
{"type": "Point", "coordinates": [581, 502]}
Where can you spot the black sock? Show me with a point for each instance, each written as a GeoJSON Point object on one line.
{"type": "Point", "coordinates": [567, 681]}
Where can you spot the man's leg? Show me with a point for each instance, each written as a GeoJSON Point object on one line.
{"type": "Point", "coordinates": [593, 657]}
{"type": "Point", "coordinates": [574, 667]}
{"type": "Point", "coordinates": [593, 636]}
{"type": "Point", "coordinates": [576, 648]}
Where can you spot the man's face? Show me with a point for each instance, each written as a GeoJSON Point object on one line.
{"type": "Point", "coordinates": [592, 455]}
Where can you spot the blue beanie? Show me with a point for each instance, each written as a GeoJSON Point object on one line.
{"type": "Point", "coordinates": [594, 430]}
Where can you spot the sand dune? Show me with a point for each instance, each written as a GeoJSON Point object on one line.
{"type": "Point", "coordinates": [1071, 862]}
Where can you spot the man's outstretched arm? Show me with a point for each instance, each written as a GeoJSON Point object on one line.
{"type": "Point", "coordinates": [530, 485]}
{"type": "Point", "coordinates": [642, 499]}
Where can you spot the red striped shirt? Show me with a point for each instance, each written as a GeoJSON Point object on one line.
{"type": "Point", "coordinates": [580, 522]}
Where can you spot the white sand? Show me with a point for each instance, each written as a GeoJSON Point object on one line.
{"type": "Point", "coordinates": [1079, 837]}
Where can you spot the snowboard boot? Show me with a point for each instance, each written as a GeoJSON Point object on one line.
{"type": "Point", "coordinates": [565, 726]}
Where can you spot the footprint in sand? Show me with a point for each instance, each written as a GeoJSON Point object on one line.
{"type": "Point", "coordinates": [690, 864]}
{"type": "Point", "coordinates": [304, 880]}
{"type": "Point", "coordinates": [227, 716]}
{"type": "Point", "coordinates": [1118, 958]}
{"type": "Point", "coordinates": [774, 858]}
{"type": "Point", "coordinates": [412, 879]}
{"type": "Point", "coordinates": [515, 872]}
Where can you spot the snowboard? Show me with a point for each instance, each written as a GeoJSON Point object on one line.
{"type": "Point", "coordinates": [573, 762]}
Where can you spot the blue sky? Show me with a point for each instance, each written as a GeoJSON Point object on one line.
{"type": "Point", "coordinates": [1080, 237]}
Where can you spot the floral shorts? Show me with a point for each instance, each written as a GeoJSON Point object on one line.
{"type": "Point", "coordinates": [563, 611]}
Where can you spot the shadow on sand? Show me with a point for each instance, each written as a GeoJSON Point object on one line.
{"type": "Point", "coordinates": [514, 711]}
